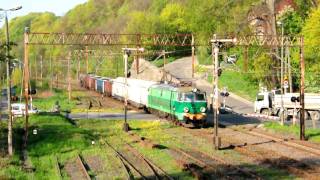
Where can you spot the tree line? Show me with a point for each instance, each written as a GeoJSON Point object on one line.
{"type": "Point", "coordinates": [200, 17]}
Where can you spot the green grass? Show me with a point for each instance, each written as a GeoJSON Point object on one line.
{"type": "Point", "coordinates": [58, 139]}
{"type": "Point", "coordinates": [47, 103]}
{"type": "Point", "coordinates": [237, 84]}
{"type": "Point", "coordinates": [311, 134]}
{"type": "Point", "coordinates": [11, 167]}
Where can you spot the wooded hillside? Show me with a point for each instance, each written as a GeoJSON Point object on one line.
{"type": "Point", "coordinates": [200, 17]}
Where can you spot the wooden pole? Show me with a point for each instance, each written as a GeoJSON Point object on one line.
{"type": "Point", "coordinates": [51, 73]}
{"type": "Point", "coordinates": [302, 86]}
{"type": "Point", "coordinates": [138, 53]}
{"type": "Point", "coordinates": [26, 84]}
{"type": "Point", "coordinates": [87, 60]}
{"type": "Point", "coordinates": [126, 125]}
{"type": "Point", "coordinates": [10, 146]}
{"type": "Point", "coordinates": [79, 66]}
{"type": "Point", "coordinates": [69, 77]}
{"type": "Point", "coordinates": [193, 58]}
{"type": "Point", "coordinates": [289, 70]}
{"type": "Point", "coordinates": [164, 66]}
{"type": "Point", "coordinates": [215, 51]}
{"type": "Point", "coordinates": [245, 59]}
{"type": "Point", "coordinates": [41, 70]}
{"type": "Point", "coordinates": [35, 67]}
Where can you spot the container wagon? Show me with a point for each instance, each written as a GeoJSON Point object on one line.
{"type": "Point", "coordinates": [137, 90]}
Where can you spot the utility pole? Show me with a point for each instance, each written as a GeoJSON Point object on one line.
{"type": "Point", "coordinates": [164, 65]}
{"type": "Point", "coordinates": [217, 139]}
{"type": "Point", "coordinates": [282, 56]}
{"type": "Point", "coordinates": [87, 60]}
{"type": "Point", "coordinates": [245, 63]}
{"type": "Point", "coordinates": [10, 148]}
{"type": "Point", "coordinates": [41, 72]}
{"type": "Point", "coordinates": [69, 77]}
{"type": "Point", "coordinates": [289, 69]}
{"type": "Point", "coordinates": [79, 66]}
{"type": "Point", "coordinates": [36, 68]}
{"type": "Point", "coordinates": [26, 83]}
{"type": "Point", "coordinates": [51, 73]}
{"type": "Point", "coordinates": [215, 50]}
{"type": "Point", "coordinates": [281, 72]}
{"type": "Point", "coordinates": [126, 53]}
{"type": "Point", "coordinates": [302, 86]}
{"type": "Point", "coordinates": [193, 58]}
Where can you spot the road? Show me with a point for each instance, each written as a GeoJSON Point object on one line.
{"type": "Point", "coordinates": [112, 116]}
{"type": "Point", "coordinates": [181, 69]}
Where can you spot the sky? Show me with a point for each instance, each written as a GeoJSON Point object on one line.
{"type": "Point", "coordinates": [59, 7]}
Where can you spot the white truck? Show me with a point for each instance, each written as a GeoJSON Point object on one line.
{"type": "Point", "coordinates": [271, 103]}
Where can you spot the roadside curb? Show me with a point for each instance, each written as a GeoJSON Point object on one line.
{"type": "Point", "coordinates": [261, 116]}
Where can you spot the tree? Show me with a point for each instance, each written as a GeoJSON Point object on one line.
{"type": "Point", "coordinates": [311, 32]}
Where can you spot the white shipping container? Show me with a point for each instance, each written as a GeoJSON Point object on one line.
{"type": "Point", "coordinates": [137, 90]}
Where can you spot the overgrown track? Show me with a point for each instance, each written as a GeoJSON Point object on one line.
{"type": "Point", "coordinates": [204, 166]}
{"type": "Point", "coordinates": [58, 167]}
{"type": "Point", "coordinates": [287, 142]}
{"type": "Point", "coordinates": [153, 167]}
{"type": "Point", "coordinates": [82, 167]}
{"type": "Point", "coordinates": [205, 161]}
{"type": "Point", "coordinates": [136, 167]}
{"type": "Point", "coordinates": [266, 157]}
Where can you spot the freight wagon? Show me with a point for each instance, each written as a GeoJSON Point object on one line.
{"type": "Point", "coordinates": [137, 90]}
{"type": "Point", "coordinates": [104, 86]}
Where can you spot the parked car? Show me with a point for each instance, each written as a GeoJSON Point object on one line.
{"type": "Point", "coordinates": [18, 109]}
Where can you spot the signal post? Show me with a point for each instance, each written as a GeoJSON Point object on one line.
{"type": "Point", "coordinates": [216, 43]}
{"type": "Point", "coordinates": [126, 54]}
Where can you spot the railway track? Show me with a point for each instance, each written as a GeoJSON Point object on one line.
{"type": "Point", "coordinates": [268, 158]}
{"type": "Point", "coordinates": [130, 166]}
{"type": "Point", "coordinates": [202, 165]}
{"type": "Point", "coordinates": [207, 161]}
{"type": "Point", "coordinates": [295, 144]}
{"type": "Point", "coordinates": [57, 165]}
{"type": "Point", "coordinates": [76, 169]}
{"type": "Point", "coordinates": [82, 167]}
{"type": "Point", "coordinates": [158, 172]}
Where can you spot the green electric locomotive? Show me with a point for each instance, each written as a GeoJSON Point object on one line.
{"type": "Point", "coordinates": [183, 103]}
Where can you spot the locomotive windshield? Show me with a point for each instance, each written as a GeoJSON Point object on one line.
{"type": "Point", "coordinates": [191, 96]}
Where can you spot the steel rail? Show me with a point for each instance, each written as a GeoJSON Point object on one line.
{"type": "Point", "coordinates": [126, 160]}
{"type": "Point", "coordinates": [149, 163]}
{"type": "Point", "coordinates": [83, 168]}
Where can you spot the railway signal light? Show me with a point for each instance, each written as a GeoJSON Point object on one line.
{"type": "Point", "coordinates": [224, 94]}
{"type": "Point", "coordinates": [219, 72]}
{"type": "Point", "coordinates": [295, 99]}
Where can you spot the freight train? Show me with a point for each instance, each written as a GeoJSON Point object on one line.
{"type": "Point", "coordinates": [168, 101]}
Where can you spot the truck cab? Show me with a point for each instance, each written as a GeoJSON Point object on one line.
{"type": "Point", "coordinates": [263, 103]}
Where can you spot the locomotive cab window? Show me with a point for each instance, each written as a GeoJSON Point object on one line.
{"type": "Point", "coordinates": [191, 96]}
{"type": "Point", "coordinates": [188, 97]}
{"type": "Point", "coordinates": [200, 97]}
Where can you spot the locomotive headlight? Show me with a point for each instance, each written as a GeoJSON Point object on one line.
{"type": "Point", "coordinates": [186, 109]}
{"type": "Point", "coordinates": [203, 109]}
